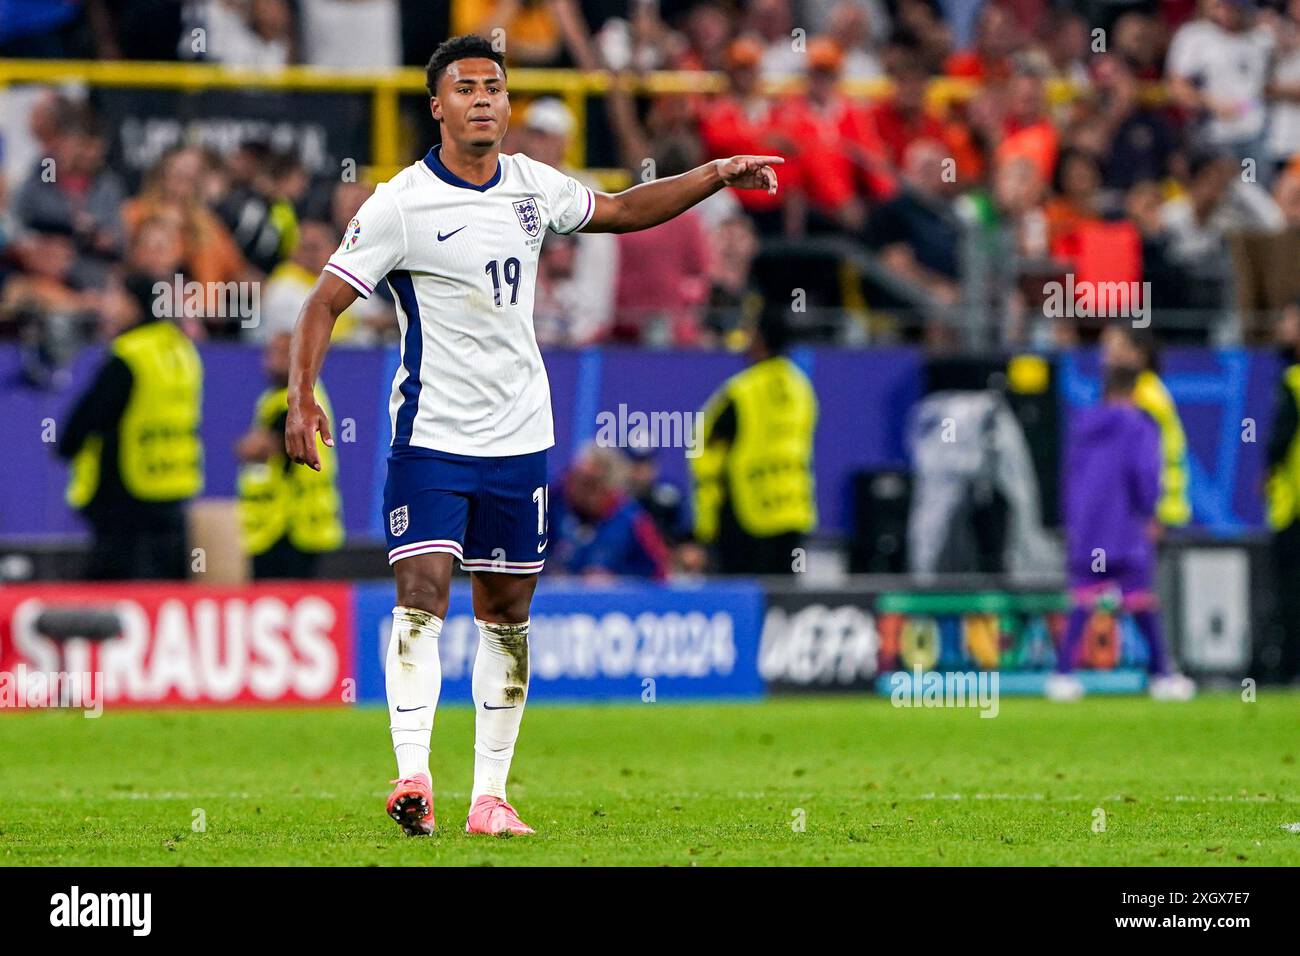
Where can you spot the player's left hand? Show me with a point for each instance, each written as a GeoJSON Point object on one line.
{"type": "Point", "coordinates": [750, 172]}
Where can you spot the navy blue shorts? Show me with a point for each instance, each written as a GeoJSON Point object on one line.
{"type": "Point", "coordinates": [488, 512]}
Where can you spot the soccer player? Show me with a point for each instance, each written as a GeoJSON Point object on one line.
{"type": "Point", "coordinates": [457, 236]}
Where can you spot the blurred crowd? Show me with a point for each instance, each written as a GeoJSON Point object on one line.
{"type": "Point", "coordinates": [75, 239]}
{"type": "Point", "coordinates": [1011, 144]}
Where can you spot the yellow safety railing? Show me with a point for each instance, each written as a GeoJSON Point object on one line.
{"type": "Point", "coordinates": [385, 88]}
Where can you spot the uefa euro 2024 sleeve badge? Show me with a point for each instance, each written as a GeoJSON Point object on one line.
{"type": "Point", "coordinates": [352, 236]}
{"type": "Point", "coordinates": [529, 217]}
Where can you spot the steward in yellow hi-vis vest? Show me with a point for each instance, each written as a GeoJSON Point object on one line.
{"type": "Point", "coordinates": [1283, 488]}
{"type": "Point", "coordinates": [1283, 500]}
{"type": "Point", "coordinates": [754, 495]}
{"type": "Point", "coordinates": [133, 440]}
{"type": "Point", "coordinates": [289, 514]}
{"type": "Point", "coordinates": [1124, 345]}
{"type": "Point", "coordinates": [1173, 510]}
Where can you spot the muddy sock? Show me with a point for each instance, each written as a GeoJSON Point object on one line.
{"type": "Point", "coordinates": [413, 680]}
{"type": "Point", "coordinates": [500, 689]}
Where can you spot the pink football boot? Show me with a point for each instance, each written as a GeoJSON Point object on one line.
{"type": "Point", "coordinates": [411, 804]}
{"type": "Point", "coordinates": [494, 816]}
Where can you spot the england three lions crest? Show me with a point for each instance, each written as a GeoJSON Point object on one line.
{"type": "Point", "coordinates": [529, 217]}
{"type": "Point", "coordinates": [398, 521]}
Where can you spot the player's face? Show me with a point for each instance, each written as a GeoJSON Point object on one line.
{"type": "Point", "coordinates": [472, 103]}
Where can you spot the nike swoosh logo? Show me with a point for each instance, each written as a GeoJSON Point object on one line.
{"type": "Point", "coordinates": [442, 238]}
{"type": "Point", "coordinates": [407, 710]}
{"type": "Point", "coordinates": [487, 706]}
{"type": "Point", "coordinates": [542, 547]}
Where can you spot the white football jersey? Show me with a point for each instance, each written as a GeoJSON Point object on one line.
{"type": "Point", "coordinates": [462, 263]}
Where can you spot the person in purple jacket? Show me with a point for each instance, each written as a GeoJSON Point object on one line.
{"type": "Point", "coordinates": [1112, 487]}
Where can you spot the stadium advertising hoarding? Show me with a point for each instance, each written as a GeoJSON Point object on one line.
{"type": "Point", "coordinates": [819, 640]}
{"type": "Point", "coordinates": [858, 638]}
{"type": "Point", "coordinates": [324, 643]}
{"type": "Point", "coordinates": [1016, 632]}
{"type": "Point", "coordinates": [325, 130]}
{"type": "Point", "coordinates": [181, 644]}
{"type": "Point", "coordinates": [618, 642]}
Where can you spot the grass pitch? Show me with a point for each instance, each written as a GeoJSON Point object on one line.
{"type": "Point", "coordinates": [843, 780]}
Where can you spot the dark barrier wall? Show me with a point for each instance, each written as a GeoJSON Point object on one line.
{"type": "Point", "coordinates": [865, 397]}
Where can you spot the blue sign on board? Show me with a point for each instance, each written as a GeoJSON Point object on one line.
{"type": "Point", "coordinates": [596, 642]}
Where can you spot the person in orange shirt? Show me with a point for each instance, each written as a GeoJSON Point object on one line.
{"type": "Point", "coordinates": [173, 193]}
{"type": "Point", "coordinates": [1027, 129]}
{"type": "Point", "coordinates": [836, 137]}
{"type": "Point", "coordinates": [747, 121]}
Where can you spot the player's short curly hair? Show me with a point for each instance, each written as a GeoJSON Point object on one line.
{"type": "Point", "coordinates": [467, 47]}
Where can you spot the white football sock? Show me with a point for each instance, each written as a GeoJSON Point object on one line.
{"type": "Point", "coordinates": [500, 690]}
{"type": "Point", "coordinates": [413, 680]}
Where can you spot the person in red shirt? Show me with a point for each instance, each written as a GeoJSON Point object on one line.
{"type": "Point", "coordinates": [996, 38]}
{"type": "Point", "coordinates": [835, 136]}
{"type": "Point", "coordinates": [1076, 186]}
{"type": "Point", "coordinates": [745, 115]}
{"type": "Point", "coordinates": [902, 119]}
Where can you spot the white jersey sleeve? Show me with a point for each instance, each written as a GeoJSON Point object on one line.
{"type": "Point", "coordinates": [569, 204]}
{"type": "Point", "coordinates": [373, 245]}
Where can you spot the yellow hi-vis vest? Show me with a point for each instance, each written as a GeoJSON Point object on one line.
{"type": "Point", "coordinates": [1173, 509]}
{"type": "Point", "coordinates": [1283, 488]}
{"type": "Point", "coordinates": [766, 473]}
{"type": "Point", "coordinates": [160, 456]}
{"type": "Point", "coordinates": [277, 498]}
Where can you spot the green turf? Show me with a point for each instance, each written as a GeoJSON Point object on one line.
{"type": "Point", "coordinates": [1210, 782]}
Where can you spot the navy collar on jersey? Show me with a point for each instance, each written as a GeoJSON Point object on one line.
{"type": "Point", "coordinates": [434, 161]}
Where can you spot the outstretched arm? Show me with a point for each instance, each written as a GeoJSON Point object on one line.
{"type": "Point", "coordinates": [651, 203]}
{"type": "Point", "coordinates": [311, 337]}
